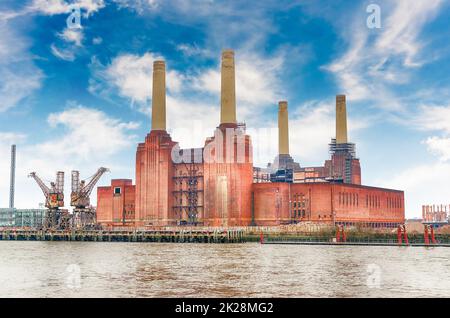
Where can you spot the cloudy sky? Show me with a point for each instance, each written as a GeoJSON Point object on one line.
{"type": "Point", "coordinates": [79, 98]}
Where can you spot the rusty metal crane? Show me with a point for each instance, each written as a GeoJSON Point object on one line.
{"type": "Point", "coordinates": [54, 199]}
{"type": "Point", "coordinates": [54, 195]}
{"type": "Point", "coordinates": [80, 197]}
{"type": "Point", "coordinates": [83, 213]}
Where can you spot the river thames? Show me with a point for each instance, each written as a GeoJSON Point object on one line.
{"type": "Point", "coordinates": [88, 269]}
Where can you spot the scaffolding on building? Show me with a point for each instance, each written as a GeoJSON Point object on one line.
{"type": "Point", "coordinates": [348, 148]}
{"type": "Point", "coordinates": [348, 152]}
{"type": "Point", "coordinates": [186, 195]}
{"type": "Point", "coordinates": [260, 175]}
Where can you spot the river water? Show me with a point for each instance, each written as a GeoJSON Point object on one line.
{"type": "Point", "coordinates": [88, 269]}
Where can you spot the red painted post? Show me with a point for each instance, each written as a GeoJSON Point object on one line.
{"type": "Point", "coordinates": [344, 236]}
{"type": "Point", "coordinates": [425, 235]}
{"type": "Point", "coordinates": [405, 235]}
{"type": "Point", "coordinates": [399, 235]}
{"type": "Point", "coordinates": [261, 238]}
{"type": "Point", "coordinates": [433, 239]}
{"type": "Point", "coordinates": [338, 234]}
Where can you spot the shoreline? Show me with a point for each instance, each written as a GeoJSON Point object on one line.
{"type": "Point", "coordinates": [221, 236]}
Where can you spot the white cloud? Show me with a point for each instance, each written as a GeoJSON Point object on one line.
{"type": "Point", "coordinates": [194, 50]}
{"type": "Point", "coordinates": [427, 183]}
{"type": "Point", "coordinates": [375, 60]}
{"type": "Point", "coordinates": [257, 81]}
{"type": "Point", "coordinates": [439, 146]}
{"type": "Point", "coordinates": [423, 184]}
{"type": "Point", "coordinates": [131, 75]}
{"type": "Point", "coordinates": [90, 132]}
{"type": "Point", "coordinates": [138, 5]}
{"type": "Point", "coordinates": [53, 7]}
{"type": "Point", "coordinates": [63, 54]}
{"type": "Point", "coordinates": [20, 78]}
{"type": "Point", "coordinates": [84, 139]}
{"type": "Point", "coordinates": [71, 43]}
{"type": "Point", "coordinates": [72, 36]}
{"type": "Point", "coordinates": [403, 27]}
{"type": "Point", "coordinates": [433, 118]}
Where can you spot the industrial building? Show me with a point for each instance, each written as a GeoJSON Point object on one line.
{"type": "Point", "coordinates": [32, 218]}
{"type": "Point", "coordinates": [436, 214]}
{"type": "Point", "coordinates": [217, 185]}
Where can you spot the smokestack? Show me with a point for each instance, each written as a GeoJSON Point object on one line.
{"type": "Point", "coordinates": [341, 120]}
{"type": "Point", "coordinates": [12, 177]}
{"type": "Point", "coordinates": [159, 96]}
{"type": "Point", "coordinates": [283, 128]}
{"type": "Point", "coordinates": [228, 89]}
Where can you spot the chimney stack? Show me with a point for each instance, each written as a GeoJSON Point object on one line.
{"type": "Point", "coordinates": [12, 176]}
{"type": "Point", "coordinates": [228, 89]}
{"type": "Point", "coordinates": [341, 120]}
{"type": "Point", "coordinates": [159, 96]}
{"type": "Point", "coordinates": [283, 128]}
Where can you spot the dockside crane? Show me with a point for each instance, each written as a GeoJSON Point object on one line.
{"type": "Point", "coordinates": [54, 200]}
{"type": "Point", "coordinates": [84, 214]}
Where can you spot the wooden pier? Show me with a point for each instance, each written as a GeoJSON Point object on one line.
{"type": "Point", "coordinates": [157, 236]}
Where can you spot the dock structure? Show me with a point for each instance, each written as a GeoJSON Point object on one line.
{"type": "Point", "coordinates": [374, 243]}
{"type": "Point", "coordinates": [156, 236]}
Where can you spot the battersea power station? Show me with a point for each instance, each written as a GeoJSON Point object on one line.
{"type": "Point", "coordinates": [217, 185]}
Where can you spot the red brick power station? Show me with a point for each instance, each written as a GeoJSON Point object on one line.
{"type": "Point", "coordinates": [217, 185]}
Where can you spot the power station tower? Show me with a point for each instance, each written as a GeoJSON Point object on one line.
{"type": "Point", "coordinates": [83, 213]}
{"type": "Point", "coordinates": [12, 177]}
{"type": "Point", "coordinates": [54, 199]}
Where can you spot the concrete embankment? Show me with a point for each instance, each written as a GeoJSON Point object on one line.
{"type": "Point", "coordinates": [311, 235]}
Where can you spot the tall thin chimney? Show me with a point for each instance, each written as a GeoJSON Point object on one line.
{"type": "Point", "coordinates": [159, 96]}
{"type": "Point", "coordinates": [341, 120]}
{"type": "Point", "coordinates": [12, 177]}
{"type": "Point", "coordinates": [228, 89]}
{"type": "Point", "coordinates": [283, 128]}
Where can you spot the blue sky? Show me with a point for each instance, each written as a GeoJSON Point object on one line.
{"type": "Point", "coordinates": [80, 98]}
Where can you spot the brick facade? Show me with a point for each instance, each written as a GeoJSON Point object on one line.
{"type": "Point", "coordinates": [116, 203]}
{"type": "Point", "coordinates": [281, 203]}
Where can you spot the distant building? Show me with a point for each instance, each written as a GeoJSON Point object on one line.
{"type": "Point", "coordinates": [436, 214]}
{"type": "Point", "coordinates": [22, 217]}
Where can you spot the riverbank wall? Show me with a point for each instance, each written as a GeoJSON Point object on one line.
{"type": "Point", "coordinates": [321, 235]}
